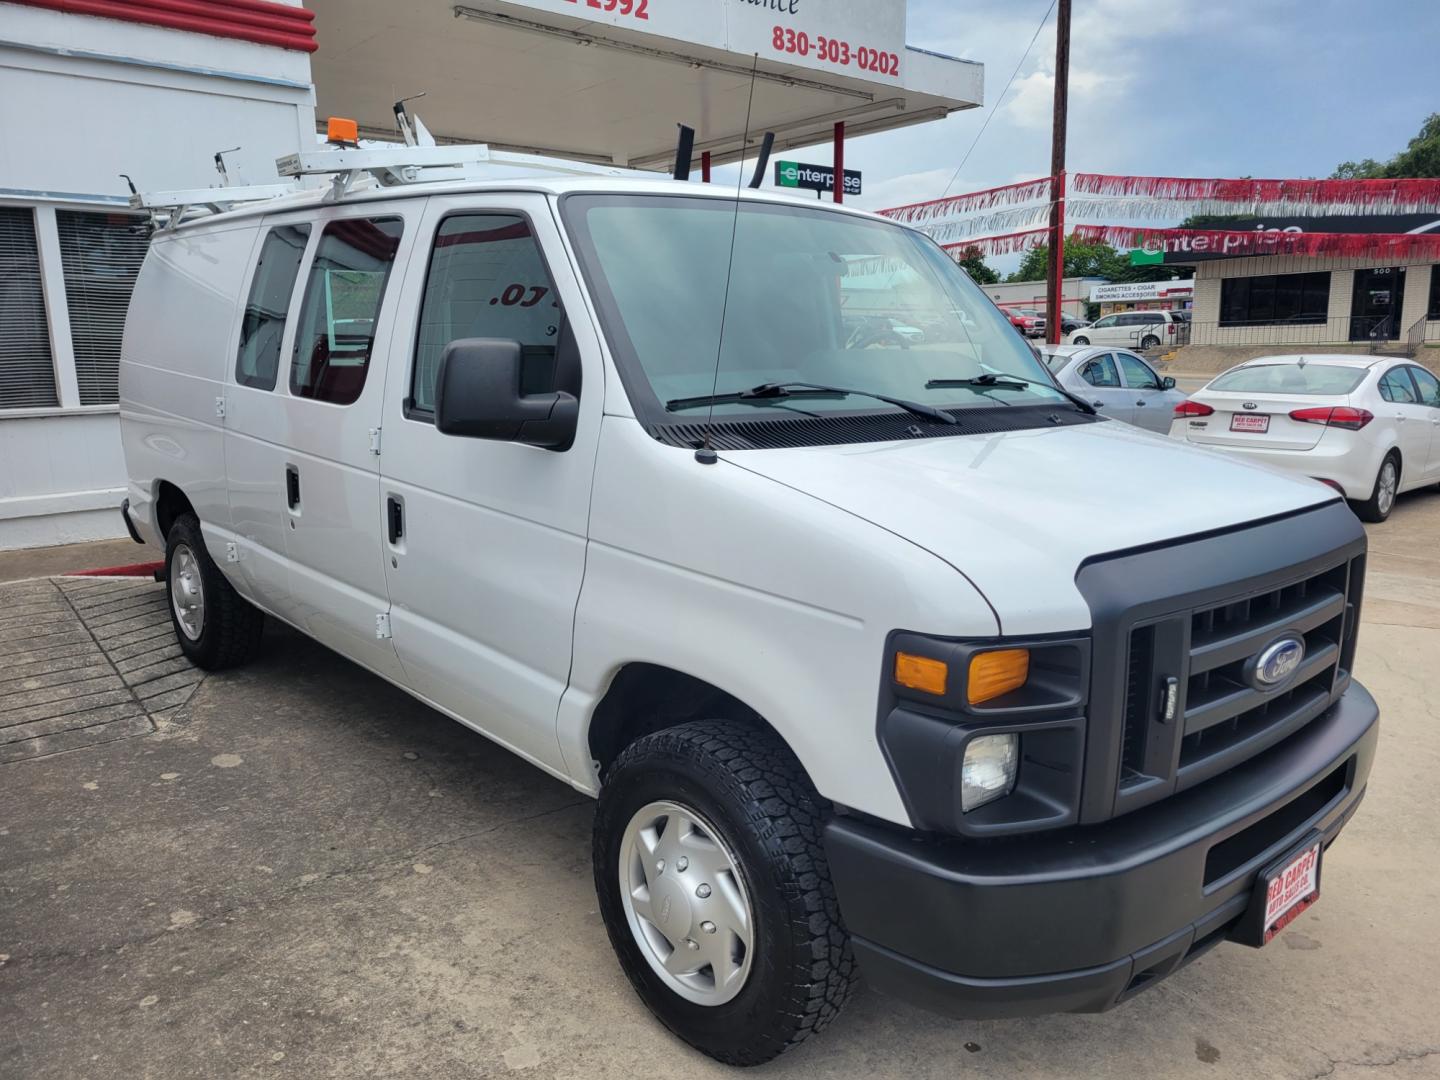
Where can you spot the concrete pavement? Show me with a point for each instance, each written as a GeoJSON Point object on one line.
{"type": "Point", "coordinates": [304, 873]}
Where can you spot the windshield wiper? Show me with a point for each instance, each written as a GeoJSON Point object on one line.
{"type": "Point", "coordinates": [991, 381]}
{"type": "Point", "coordinates": [805, 389]}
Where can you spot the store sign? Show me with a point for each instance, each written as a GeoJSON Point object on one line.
{"type": "Point", "coordinates": [862, 38]}
{"type": "Point", "coordinates": [1190, 250]}
{"type": "Point", "coordinates": [796, 174]}
{"type": "Point", "coordinates": [1139, 290]}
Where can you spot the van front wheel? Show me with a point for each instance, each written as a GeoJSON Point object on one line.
{"type": "Point", "coordinates": [216, 627]}
{"type": "Point", "coordinates": [714, 887]}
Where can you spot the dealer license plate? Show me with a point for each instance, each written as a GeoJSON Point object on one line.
{"type": "Point", "coordinates": [1250, 422]}
{"type": "Point", "coordinates": [1284, 889]}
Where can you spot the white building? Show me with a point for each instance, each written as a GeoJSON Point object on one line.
{"type": "Point", "coordinates": [85, 99]}
{"type": "Point", "coordinates": [154, 88]}
{"type": "Point", "coordinates": [1076, 293]}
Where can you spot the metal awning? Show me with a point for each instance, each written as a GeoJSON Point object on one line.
{"type": "Point", "coordinates": [537, 76]}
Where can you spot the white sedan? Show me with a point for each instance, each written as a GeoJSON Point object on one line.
{"type": "Point", "coordinates": [1116, 382]}
{"type": "Point", "coordinates": [1369, 426]}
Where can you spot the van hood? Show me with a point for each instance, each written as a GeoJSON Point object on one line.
{"type": "Point", "coordinates": [1018, 512]}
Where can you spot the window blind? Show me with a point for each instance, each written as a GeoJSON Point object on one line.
{"type": "Point", "coordinates": [27, 370]}
{"type": "Point", "coordinates": [100, 254]}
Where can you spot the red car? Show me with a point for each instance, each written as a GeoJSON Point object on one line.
{"type": "Point", "coordinates": [1029, 322]}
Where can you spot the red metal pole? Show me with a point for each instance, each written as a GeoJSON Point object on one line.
{"type": "Point", "coordinates": [705, 165]}
{"type": "Point", "coordinates": [840, 161]}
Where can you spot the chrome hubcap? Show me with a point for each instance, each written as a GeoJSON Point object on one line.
{"type": "Point", "coordinates": [686, 903]}
{"type": "Point", "coordinates": [187, 594]}
{"type": "Point", "coordinates": [1388, 483]}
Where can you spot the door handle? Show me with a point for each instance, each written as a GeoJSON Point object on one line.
{"type": "Point", "coordinates": [1139, 401]}
{"type": "Point", "coordinates": [394, 519]}
{"type": "Point", "coordinates": [292, 487]}
{"type": "Point", "coordinates": [1098, 404]}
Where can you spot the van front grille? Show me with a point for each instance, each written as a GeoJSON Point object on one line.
{"type": "Point", "coordinates": [1220, 718]}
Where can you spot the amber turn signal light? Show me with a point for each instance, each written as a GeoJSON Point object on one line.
{"type": "Point", "coordinates": [996, 673]}
{"type": "Point", "coordinates": [921, 673]}
{"type": "Point", "coordinates": [344, 132]}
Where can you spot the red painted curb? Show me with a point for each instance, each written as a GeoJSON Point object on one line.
{"type": "Point", "coordinates": [144, 569]}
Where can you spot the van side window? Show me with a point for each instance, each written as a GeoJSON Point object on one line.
{"type": "Point", "coordinates": [342, 301]}
{"type": "Point", "coordinates": [486, 279]}
{"type": "Point", "coordinates": [264, 323]}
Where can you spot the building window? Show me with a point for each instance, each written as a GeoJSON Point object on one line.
{"type": "Point", "coordinates": [1297, 299]}
{"type": "Point", "coordinates": [27, 370]}
{"type": "Point", "coordinates": [100, 254]}
{"type": "Point", "coordinates": [342, 303]}
{"type": "Point", "coordinates": [1432, 309]}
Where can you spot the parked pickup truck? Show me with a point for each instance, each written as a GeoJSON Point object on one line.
{"type": "Point", "coordinates": [866, 671]}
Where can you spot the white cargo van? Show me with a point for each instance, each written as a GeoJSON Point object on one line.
{"type": "Point", "coordinates": [870, 669]}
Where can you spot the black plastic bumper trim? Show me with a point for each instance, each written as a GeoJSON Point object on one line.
{"type": "Point", "coordinates": [1080, 919]}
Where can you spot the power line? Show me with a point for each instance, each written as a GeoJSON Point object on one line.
{"type": "Point", "coordinates": [996, 107]}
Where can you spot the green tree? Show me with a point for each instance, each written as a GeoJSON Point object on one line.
{"type": "Point", "coordinates": [973, 263]}
{"type": "Point", "coordinates": [1421, 158]}
{"type": "Point", "coordinates": [1093, 259]}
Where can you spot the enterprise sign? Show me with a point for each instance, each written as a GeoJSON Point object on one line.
{"type": "Point", "coordinates": [796, 174]}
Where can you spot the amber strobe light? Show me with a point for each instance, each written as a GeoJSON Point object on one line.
{"type": "Point", "coordinates": [921, 673]}
{"type": "Point", "coordinates": [344, 132]}
{"type": "Point", "coordinates": [996, 673]}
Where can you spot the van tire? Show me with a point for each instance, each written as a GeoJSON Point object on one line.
{"type": "Point", "coordinates": [1377, 507]}
{"type": "Point", "coordinates": [764, 809]}
{"type": "Point", "coordinates": [1150, 342]}
{"type": "Point", "coordinates": [229, 626]}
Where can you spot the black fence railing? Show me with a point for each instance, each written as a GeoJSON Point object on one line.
{"type": "Point", "coordinates": [1376, 333]}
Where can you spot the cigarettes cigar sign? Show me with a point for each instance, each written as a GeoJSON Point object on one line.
{"type": "Point", "coordinates": [863, 38]}
{"type": "Point", "coordinates": [796, 174]}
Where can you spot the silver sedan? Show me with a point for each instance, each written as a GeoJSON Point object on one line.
{"type": "Point", "coordinates": [1117, 382]}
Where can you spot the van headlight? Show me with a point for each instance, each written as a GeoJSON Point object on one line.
{"type": "Point", "coordinates": [988, 770]}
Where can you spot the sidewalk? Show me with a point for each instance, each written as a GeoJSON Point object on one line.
{"type": "Point", "coordinates": [22, 563]}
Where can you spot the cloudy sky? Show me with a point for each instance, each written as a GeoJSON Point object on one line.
{"type": "Point", "coordinates": [1266, 88]}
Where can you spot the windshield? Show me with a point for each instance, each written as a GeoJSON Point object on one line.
{"type": "Point", "coordinates": [815, 296]}
{"type": "Point", "coordinates": [1290, 379]}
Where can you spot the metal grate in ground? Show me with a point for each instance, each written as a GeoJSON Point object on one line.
{"type": "Point", "coordinates": [85, 661]}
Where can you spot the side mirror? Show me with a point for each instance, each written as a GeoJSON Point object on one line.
{"type": "Point", "coordinates": [1167, 383]}
{"type": "Point", "coordinates": [477, 396]}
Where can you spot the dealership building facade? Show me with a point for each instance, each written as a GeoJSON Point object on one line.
{"type": "Point", "coordinates": [1297, 298]}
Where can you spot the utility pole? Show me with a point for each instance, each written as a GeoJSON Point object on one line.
{"type": "Point", "coordinates": [1055, 280]}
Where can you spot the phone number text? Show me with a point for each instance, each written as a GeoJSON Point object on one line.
{"type": "Point", "coordinates": [832, 51]}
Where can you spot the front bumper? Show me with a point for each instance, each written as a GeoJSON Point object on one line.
{"type": "Point", "coordinates": [1080, 919]}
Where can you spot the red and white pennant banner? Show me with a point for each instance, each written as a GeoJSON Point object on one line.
{"type": "Point", "coordinates": [1158, 196]}
{"type": "Point", "coordinates": [1099, 195]}
{"type": "Point", "coordinates": [1004, 244]}
{"type": "Point", "coordinates": [1005, 195]}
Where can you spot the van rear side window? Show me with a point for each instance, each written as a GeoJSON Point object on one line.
{"type": "Point", "coordinates": [342, 302]}
{"type": "Point", "coordinates": [269, 302]}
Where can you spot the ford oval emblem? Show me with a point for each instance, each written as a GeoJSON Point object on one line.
{"type": "Point", "coordinates": [1275, 663]}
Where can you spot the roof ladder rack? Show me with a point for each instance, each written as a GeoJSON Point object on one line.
{"type": "Point", "coordinates": [217, 200]}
